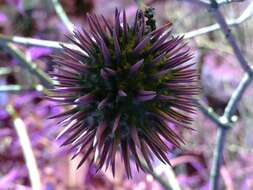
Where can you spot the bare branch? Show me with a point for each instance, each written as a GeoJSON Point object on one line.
{"type": "Point", "coordinates": [223, 2]}
{"type": "Point", "coordinates": [229, 36]}
{"type": "Point", "coordinates": [248, 13]}
{"type": "Point", "coordinates": [224, 121]}
{"type": "Point", "coordinates": [202, 3]}
{"type": "Point", "coordinates": [217, 157]}
{"type": "Point", "coordinates": [237, 95]}
{"type": "Point", "coordinates": [208, 111]}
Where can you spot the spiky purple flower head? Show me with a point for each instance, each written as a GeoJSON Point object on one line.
{"type": "Point", "coordinates": [125, 90]}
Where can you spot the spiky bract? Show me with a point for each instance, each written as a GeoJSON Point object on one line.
{"type": "Point", "coordinates": [126, 89]}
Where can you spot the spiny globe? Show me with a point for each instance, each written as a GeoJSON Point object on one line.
{"type": "Point", "coordinates": [125, 87]}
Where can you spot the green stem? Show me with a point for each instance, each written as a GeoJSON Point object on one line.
{"type": "Point", "coordinates": [18, 88]}
{"type": "Point", "coordinates": [5, 71]}
{"type": "Point", "coordinates": [26, 146]}
{"type": "Point", "coordinates": [11, 88]}
{"type": "Point", "coordinates": [62, 15]}
{"type": "Point", "coordinates": [170, 184]}
{"type": "Point", "coordinates": [32, 67]}
{"type": "Point", "coordinates": [140, 4]}
{"type": "Point", "coordinates": [34, 42]}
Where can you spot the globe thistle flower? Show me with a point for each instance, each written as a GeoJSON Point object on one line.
{"type": "Point", "coordinates": [125, 87]}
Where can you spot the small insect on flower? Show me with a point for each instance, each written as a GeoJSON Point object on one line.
{"type": "Point", "coordinates": [125, 88]}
